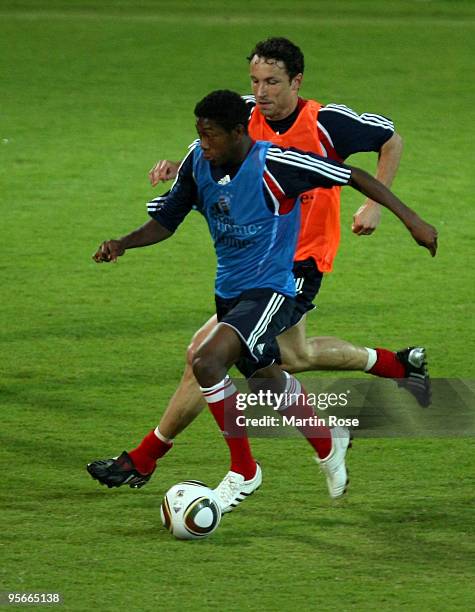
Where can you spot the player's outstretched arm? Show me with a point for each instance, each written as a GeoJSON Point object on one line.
{"type": "Point", "coordinates": [422, 232]}
{"type": "Point", "coordinates": [164, 170]}
{"type": "Point", "coordinates": [150, 233]}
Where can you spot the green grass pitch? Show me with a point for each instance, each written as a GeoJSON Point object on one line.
{"type": "Point", "coordinates": [91, 94]}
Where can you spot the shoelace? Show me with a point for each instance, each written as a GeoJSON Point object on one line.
{"type": "Point", "coordinates": [229, 488]}
{"type": "Point", "coordinates": [329, 469]}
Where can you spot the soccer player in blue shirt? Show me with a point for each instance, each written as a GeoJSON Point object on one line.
{"type": "Point", "coordinates": [249, 194]}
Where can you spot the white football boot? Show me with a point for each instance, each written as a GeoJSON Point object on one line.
{"type": "Point", "coordinates": [334, 466]}
{"type": "Point", "coordinates": [233, 489]}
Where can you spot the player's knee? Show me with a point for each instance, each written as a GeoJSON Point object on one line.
{"type": "Point", "coordinates": [207, 368]}
{"type": "Point", "coordinates": [190, 353]}
{"type": "Point", "coordinates": [197, 339]}
{"type": "Point", "coordinates": [192, 347]}
{"type": "Point", "coordinates": [296, 361]}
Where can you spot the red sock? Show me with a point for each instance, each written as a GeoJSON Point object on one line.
{"type": "Point", "coordinates": [221, 398]}
{"type": "Point", "coordinates": [148, 451]}
{"type": "Point", "coordinates": [318, 436]}
{"type": "Point", "coordinates": [387, 365]}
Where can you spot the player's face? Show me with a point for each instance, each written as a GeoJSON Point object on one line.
{"type": "Point", "coordinates": [219, 146]}
{"type": "Point", "coordinates": [276, 94]}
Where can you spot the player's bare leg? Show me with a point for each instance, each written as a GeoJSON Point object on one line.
{"type": "Point", "coordinates": [187, 401]}
{"type": "Point", "coordinates": [184, 406]}
{"type": "Point", "coordinates": [408, 366]}
{"type": "Point", "coordinates": [301, 354]}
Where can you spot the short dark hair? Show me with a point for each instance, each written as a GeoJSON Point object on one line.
{"type": "Point", "coordinates": [224, 107]}
{"type": "Point", "coordinates": [283, 50]}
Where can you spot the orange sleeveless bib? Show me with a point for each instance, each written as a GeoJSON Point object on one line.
{"type": "Point", "coordinates": [320, 225]}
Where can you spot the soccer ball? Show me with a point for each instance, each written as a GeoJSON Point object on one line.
{"type": "Point", "coordinates": [190, 510]}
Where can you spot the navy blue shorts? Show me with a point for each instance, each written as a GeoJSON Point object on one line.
{"type": "Point", "coordinates": [308, 280]}
{"type": "Point", "coordinates": [257, 316]}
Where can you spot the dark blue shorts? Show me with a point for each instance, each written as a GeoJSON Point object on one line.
{"type": "Point", "coordinates": [308, 280]}
{"type": "Point", "coordinates": [257, 316]}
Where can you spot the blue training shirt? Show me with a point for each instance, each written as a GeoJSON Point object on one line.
{"type": "Point", "coordinates": [254, 245]}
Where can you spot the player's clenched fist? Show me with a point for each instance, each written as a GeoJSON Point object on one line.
{"type": "Point", "coordinates": [366, 219]}
{"type": "Point", "coordinates": [425, 235]}
{"type": "Point", "coordinates": [164, 170]}
{"type": "Point", "coordinates": [109, 250]}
